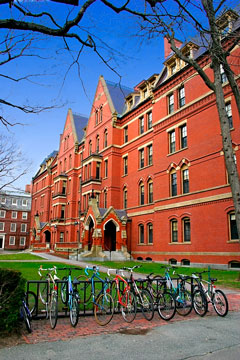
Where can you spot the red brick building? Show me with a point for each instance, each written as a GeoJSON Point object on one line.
{"type": "Point", "coordinates": [15, 210]}
{"type": "Point", "coordinates": [144, 175]}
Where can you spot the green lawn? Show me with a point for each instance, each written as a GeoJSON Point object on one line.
{"type": "Point", "coordinates": [23, 256]}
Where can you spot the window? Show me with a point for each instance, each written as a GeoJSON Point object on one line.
{"type": "Point", "coordinates": [97, 144]}
{"type": "Point", "coordinates": [141, 193]}
{"type": "Point", "coordinates": [2, 213]}
{"type": "Point", "coordinates": [223, 75]}
{"type": "Point", "coordinates": [149, 120]}
{"type": "Point", "coordinates": [124, 198]}
{"type": "Point", "coordinates": [101, 114]}
{"type": "Point", "coordinates": [23, 227]}
{"type": "Point", "coordinates": [170, 103]}
{"type": "Point", "coordinates": [141, 158]}
{"type": "Point", "coordinates": [105, 198]}
{"type": "Point", "coordinates": [185, 181]}
{"type": "Point", "coordinates": [11, 240]}
{"type": "Point", "coordinates": [22, 241]}
{"type": "Point", "coordinates": [13, 227]}
{"type": "Point", "coordinates": [105, 168]}
{"type": "Point", "coordinates": [125, 134]}
{"type": "Point", "coordinates": [70, 161]}
{"type": "Point", "coordinates": [174, 230]}
{"type": "Point", "coordinates": [150, 192]}
{"type": "Point", "coordinates": [3, 200]}
{"type": "Point", "coordinates": [24, 215]}
{"type": "Point", "coordinates": [233, 226]}
{"type": "Point", "coordinates": [14, 214]}
{"type": "Point", "coordinates": [14, 201]}
{"type": "Point", "coordinates": [141, 233]}
{"type": "Point", "coordinates": [172, 142]}
{"type": "Point", "coordinates": [24, 202]}
{"type": "Point", "coordinates": [186, 230]}
{"type": "Point", "coordinates": [98, 170]}
{"type": "Point", "coordinates": [229, 114]}
{"type": "Point", "coordinates": [181, 96]}
{"type": "Point", "coordinates": [96, 117]}
{"type": "Point", "coordinates": [105, 138]}
{"type": "Point", "coordinates": [90, 148]}
{"type": "Point", "coordinates": [150, 233]}
{"type": "Point", "coordinates": [63, 212]}
{"type": "Point", "coordinates": [173, 68]}
{"type": "Point", "coordinates": [173, 183]}
{"type": "Point", "coordinates": [150, 154]}
{"type": "Point", "coordinates": [2, 226]}
{"type": "Point", "coordinates": [141, 125]}
{"type": "Point", "coordinates": [183, 136]}
{"type": "Point", "coordinates": [64, 187]}
{"type": "Point", "coordinates": [61, 237]}
{"type": "Point", "coordinates": [125, 165]}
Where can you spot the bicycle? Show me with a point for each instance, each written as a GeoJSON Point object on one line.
{"type": "Point", "coordinates": [26, 311]}
{"type": "Point", "coordinates": [124, 298]}
{"type": "Point", "coordinates": [163, 300]}
{"type": "Point", "coordinates": [143, 296]}
{"type": "Point", "coordinates": [212, 295]}
{"type": "Point", "coordinates": [70, 295]}
{"type": "Point", "coordinates": [103, 301]}
{"type": "Point", "coordinates": [50, 292]}
{"type": "Point", "coordinates": [183, 297]}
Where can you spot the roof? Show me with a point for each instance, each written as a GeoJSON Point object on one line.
{"type": "Point", "coordinates": [52, 155]}
{"type": "Point", "coordinates": [80, 122]}
{"type": "Point", "coordinates": [118, 93]}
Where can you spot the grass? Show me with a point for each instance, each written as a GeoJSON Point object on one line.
{"type": "Point", "coordinates": [21, 256]}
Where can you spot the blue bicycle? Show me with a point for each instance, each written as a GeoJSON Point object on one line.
{"type": "Point", "coordinates": [102, 301]}
{"type": "Point", "coordinates": [70, 295]}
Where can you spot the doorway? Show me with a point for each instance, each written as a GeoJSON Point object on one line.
{"type": "Point", "coordinates": [90, 234]}
{"type": "Point", "coordinates": [110, 236]}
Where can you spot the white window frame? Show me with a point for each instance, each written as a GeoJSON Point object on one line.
{"type": "Point", "coordinates": [2, 224]}
{"type": "Point", "coordinates": [25, 228]}
{"type": "Point", "coordinates": [2, 214]}
{"type": "Point", "coordinates": [11, 227]}
{"type": "Point", "coordinates": [22, 241]}
{"type": "Point", "coordinates": [3, 200]}
{"type": "Point", "coordinates": [24, 218]}
{"type": "Point", "coordinates": [12, 240]}
{"type": "Point", "coordinates": [14, 217]}
{"type": "Point", "coordinates": [14, 201]}
{"type": "Point", "coordinates": [24, 202]}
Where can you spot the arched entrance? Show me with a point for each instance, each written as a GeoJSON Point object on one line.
{"type": "Point", "coordinates": [110, 236]}
{"type": "Point", "coordinates": [47, 236]}
{"type": "Point", "coordinates": [90, 234]}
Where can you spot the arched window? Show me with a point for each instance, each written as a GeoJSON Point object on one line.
{"type": "Point", "coordinates": [174, 230]}
{"type": "Point", "coordinates": [185, 262]}
{"type": "Point", "coordinates": [173, 182]}
{"type": "Point", "coordinates": [141, 233]}
{"type": "Point", "coordinates": [105, 138]}
{"type": "Point", "coordinates": [141, 193]}
{"type": "Point", "coordinates": [96, 117]}
{"type": "Point", "coordinates": [125, 198]}
{"type": "Point", "coordinates": [97, 144]}
{"type": "Point", "coordinates": [90, 148]}
{"type": "Point", "coordinates": [186, 229]}
{"type": "Point", "coordinates": [70, 161]}
{"type": "Point", "coordinates": [185, 179]}
{"type": "Point", "coordinates": [101, 114]}
{"type": "Point", "coordinates": [233, 226]}
{"type": "Point", "coordinates": [172, 261]}
{"type": "Point", "coordinates": [105, 199]}
{"type": "Point", "coordinates": [150, 233]}
{"type": "Point", "coordinates": [150, 191]}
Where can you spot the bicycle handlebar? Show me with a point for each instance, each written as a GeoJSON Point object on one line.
{"type": "Point", "coordinates": [54, 268]}
{"type": "Point", "coordinates": [132, 268]}
{"type": "Point", "coordinates": [94, 269]}
{"type": "Point", "coordinates": [116, 271]}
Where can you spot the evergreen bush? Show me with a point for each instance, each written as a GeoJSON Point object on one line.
{"type": "Point", "coordinates": [12, 286]}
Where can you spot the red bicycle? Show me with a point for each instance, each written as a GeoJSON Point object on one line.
{"type": "Point", "coordinates": [122, 296]}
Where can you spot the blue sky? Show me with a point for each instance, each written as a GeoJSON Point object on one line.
{"type": "Point", "coordinates": [134, 60]}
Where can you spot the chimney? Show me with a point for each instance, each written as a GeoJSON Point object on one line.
{"type": "Point", "coordinates": [167, 47]}
{"type": "Point", "coordinates": [28, 188]}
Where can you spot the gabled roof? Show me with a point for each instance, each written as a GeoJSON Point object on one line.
{"type": "Point", "coordinates": [118, 93]}
{"type": "Point", "coordinates": [80, 122]}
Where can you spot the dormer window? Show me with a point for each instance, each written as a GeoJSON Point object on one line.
{"type": "Point", "coordinates": [225, 21]}
{"type": "Point", "coordinates": [145, 93]}
{"type": "Point", "coordinates": [173, 68]}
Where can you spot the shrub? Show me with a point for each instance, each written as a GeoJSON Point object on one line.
{"type": "Point", "coordinates": [12, 286]}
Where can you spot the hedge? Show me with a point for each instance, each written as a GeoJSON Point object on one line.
{"type": "Point", "coordinates": [12, 287]}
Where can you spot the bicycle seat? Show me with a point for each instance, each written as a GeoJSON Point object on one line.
{"type": "Point", "coordinates": [184, 277]}
{"type": "Point", "coordinates": [213, 279]}
{"type": "Point", "coordinates": [75, 281]}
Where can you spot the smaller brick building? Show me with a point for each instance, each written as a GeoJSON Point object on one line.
{"type": "Point", "coordinates": [15, 209]}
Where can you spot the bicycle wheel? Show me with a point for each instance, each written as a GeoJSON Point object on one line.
{"type": "Point", "coordinates": [128, 306]}
{"type": "Point", "coordinates": [43, 290]}
{"type": "Point", "coordinates": [158, 285]}
{"type": "Point", "coordinates": [220, 303]}
{"type": "Point", "coordinates": [84, 289]}
{"type": "Point", "coordinates": [200, 303]}
{"type": "Point", "coordinates": [103, 309]}
{"type": "Point", "coordinates": [184, 303]}
{"type": "Point", "coordinates": [26, 318]}
{"type": "Point", "coordinates": [74, 310]}
{"type": "Point", "coordinates": [166, 305]}
{"type": "Point", "coordinates": [31, 301]}
{"type": "Point", "coordinates": [64, 290]}
{"type": "Point", "coordinates": [53, 313]}
{"type": "Point", "coordinates": [146, 303]}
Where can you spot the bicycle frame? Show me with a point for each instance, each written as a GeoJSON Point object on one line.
{"type": "Point", "coordinates": [177, 291]}
{"type": "Point", "coordinates": [105, 283]}
{"type": "Point", "coordinates": [126, 287]}
{"type": "Point", "coordinates": [208, 289]}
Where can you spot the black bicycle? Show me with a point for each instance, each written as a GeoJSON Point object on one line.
{"type": "Point", "coordinates": [27, 308]}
